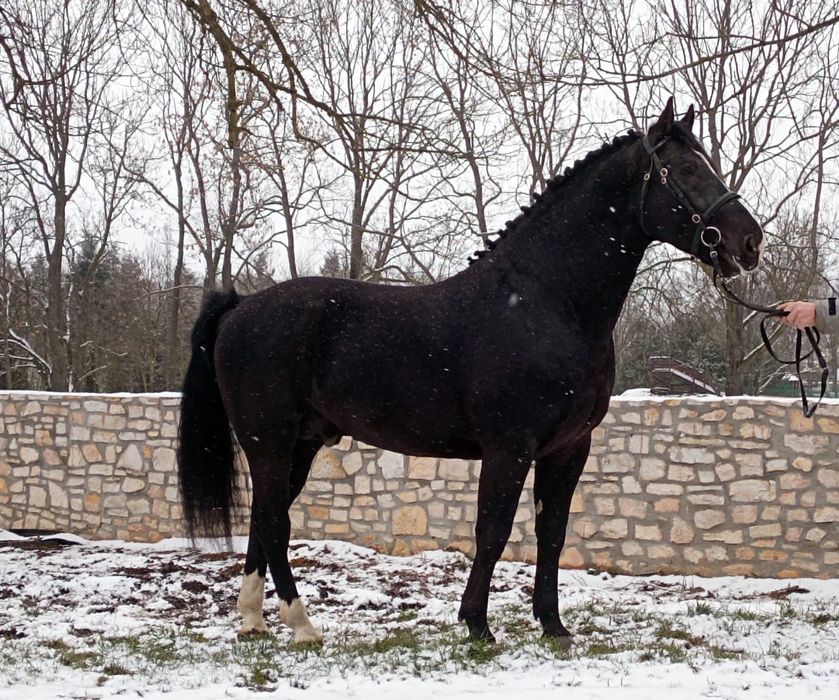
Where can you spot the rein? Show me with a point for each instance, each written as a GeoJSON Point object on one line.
{"type": "Point", "coordinates": [712, 243]}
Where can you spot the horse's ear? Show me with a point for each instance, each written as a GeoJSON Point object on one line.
{"type": "Point", "coordinates": [662, 128]}
{"type": "Point", "coordinates": [689, 117]}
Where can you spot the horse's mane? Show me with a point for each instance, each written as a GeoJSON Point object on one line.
{"type": "Point", "coordinates": [554, 184]}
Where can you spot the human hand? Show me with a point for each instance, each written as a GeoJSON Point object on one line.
{"type": "Point", "coordinates": [801, 314]}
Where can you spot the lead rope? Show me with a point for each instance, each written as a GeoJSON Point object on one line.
{"type": "Point", "coordinates": [812, 333]}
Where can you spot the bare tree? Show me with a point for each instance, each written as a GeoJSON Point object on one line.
{"type": "Point", "coordinates": [61, 62]}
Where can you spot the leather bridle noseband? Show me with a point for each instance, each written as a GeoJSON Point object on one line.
{"type": "Point", "coordinates": [711, 238]}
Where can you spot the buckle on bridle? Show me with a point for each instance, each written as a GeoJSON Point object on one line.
{"type": "Point", "coordinates": [712, 244]}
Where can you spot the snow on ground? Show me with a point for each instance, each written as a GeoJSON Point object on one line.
{"type": "Point", "coordinates": [85, 619]}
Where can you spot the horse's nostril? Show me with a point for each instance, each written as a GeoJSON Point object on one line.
{"type": "Point", "coordinates": [750, 245]}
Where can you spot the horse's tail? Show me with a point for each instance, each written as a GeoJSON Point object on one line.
{"type": "Point", "coordinates": [206, 452]}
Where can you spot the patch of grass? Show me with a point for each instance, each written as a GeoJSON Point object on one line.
{"type": "Point", "coordinates": [675, 653]}
{"type": "Point", "coordinates": [260, 679]}
{"type": "Point", "coordinates": [746, 615]}
{"type": "Point", "coordinates": [787, 611]}
{"type": "Point", "coordinates": [401, 639]}
{"type": "Point", "coordinates": [69, 656]}
{"type": "Point", "coordinates": [666, 630]}
{"type": "Point", "coordinates": [722, 654]}
{"type": "Point", "coordinates": [822, 618]}
{"type": "Point", "coordinates": [603, 648]}
{"type": "Point", "coordinates": [700, 609]}
{"type": "Point", "coordinates": [557, 648]}
{"type": "Point", "coordinates": [114, 669]}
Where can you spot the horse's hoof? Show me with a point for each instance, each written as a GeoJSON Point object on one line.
{"type": "Point", "coordinates": [564, 641]}
{"type": "Point", "coordinates": [253, 631]}
{"type": "Point", "coordinates": [482, 636]}
{"type": "Point", "coordinates": [308, 637]}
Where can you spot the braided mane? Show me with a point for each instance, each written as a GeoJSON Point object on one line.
{"type": "Point", "coordinates": [555, 184]}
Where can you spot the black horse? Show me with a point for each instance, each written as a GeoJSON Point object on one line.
{"type": "Point", "coordinates": [510, 361]}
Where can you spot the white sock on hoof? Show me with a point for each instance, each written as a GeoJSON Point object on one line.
{"type": "Point", "coordinates": [251, 597]}
{"type": "Point", "coordinates": [295, 616]}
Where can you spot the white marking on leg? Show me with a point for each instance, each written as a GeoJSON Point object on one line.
{"type": "Point", "coordinates": [295, 616]}
{"type": "Point", "coordinates": [251, 597]}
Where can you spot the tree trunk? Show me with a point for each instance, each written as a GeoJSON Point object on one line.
{"type": "Point", "coordinates": [56, 321]}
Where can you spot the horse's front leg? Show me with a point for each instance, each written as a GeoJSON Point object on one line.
{"type": "Point", "coordinates": [502, 478]}
{"type": "Point", "coordinates": [553, 487]}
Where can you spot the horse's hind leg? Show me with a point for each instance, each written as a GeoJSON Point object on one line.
{"type": "Point", "coordinates": [276, 484]}
{"type": "Point", "coordinates": [553, 488]}
{"type": "Point", "coordinates": [252, 593]}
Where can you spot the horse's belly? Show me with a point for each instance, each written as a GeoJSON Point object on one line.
{"type": "Point", "coordinates": [400, 428]}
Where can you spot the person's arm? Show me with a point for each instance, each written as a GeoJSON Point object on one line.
{"type": "Point", "coordinates": [823, 314]}
{"type": "Point", "coordinates": [827, 315]}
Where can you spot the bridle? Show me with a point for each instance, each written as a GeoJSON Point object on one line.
{"type": "Point", "coordinates": [711, 238]}
{"type": "Point", "coordinates": [669, 181]}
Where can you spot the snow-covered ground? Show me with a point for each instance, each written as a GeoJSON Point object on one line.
{"type": "Point", "coordinates": [105, 619]}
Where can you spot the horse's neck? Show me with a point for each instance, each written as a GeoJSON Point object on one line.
{"type": "Point", "coordinates": [582, 252]}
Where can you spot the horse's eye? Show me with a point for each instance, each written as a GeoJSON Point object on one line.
{"type": "Point", "coordinates": [687, 170]}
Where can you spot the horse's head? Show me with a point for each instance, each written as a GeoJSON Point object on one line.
{"type": "Point", "coordinates": [684, 201]}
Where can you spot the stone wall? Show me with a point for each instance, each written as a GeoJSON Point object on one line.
{"type": "Point", "coordinates": [689, 485]}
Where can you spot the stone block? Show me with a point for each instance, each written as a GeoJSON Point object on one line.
{"type": "Point", "coordinates": [604, 506]}
{"type": "Point", "coordinates": [409, 520]}
{"type": "Point", "coordinates": [660, 551]}
{"type": "Point", "coordinates": [807, 444]}
{"type": "Point", "coordinates": [164, 459]}
{"type": "Point", "coordinates": [616, 529]}
{"type": "Point", "coordinates": [828, 425]}
{"type": "Point", "coordinates": [571, 558]}
{"type": "Point", "coordinates": [454, 470]}
{"type": "Point", "coordinates": [648, 532]}
{"type": "Point", "coordinates": [829, 478]}
{"type": "Point", "coordinates": [639, 444]}
{"type": "Point", "coordinates": [665, 489]}
{"type": "Point", "coordinates": [726, 536]}
{"type": "Point", "coordinates": [392, 465]}
{"type": "Point", "coordinates": [681, 474]}
{"type": "Point", "coordinates": [422, 468]}
{"type": "Point", "coordinates": [58, 496]}
{"type": "Point", "coordinates": [794, 481]}
{"type": "Point", "coordinates": [752, 490]}
{"type": "Point", "coordinates": [130, 460]}
{"type": "Point", "coordinates": [37, 497]}
{"type": "Point", "coordinates": [706, 519]}
{"type": "Point", "coordinates": [29, 455]}
{"type": "Point", "coordinates": [761, 531]}
{"type": "Point", "coordinates": [632, 508]}
{"type": "Point", "coordinates": [352, 462]}
{"type": "Point", "coordinates": [327, 465]}
{"type": "Point", "coordinates": [620, 463]}
{"type": "Point", "coordinates": [826, 515]}
{"type": "Point", "coordinates": [667, 505]}
{"type": "Point", "coordinates": [681, 532]}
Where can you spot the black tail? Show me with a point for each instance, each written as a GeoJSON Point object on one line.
{"type": "Point", "coordinates": [206, 452]}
